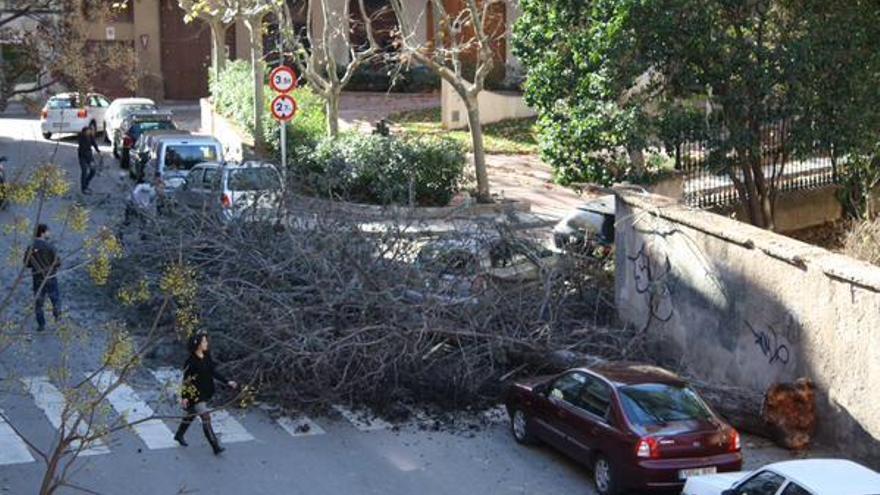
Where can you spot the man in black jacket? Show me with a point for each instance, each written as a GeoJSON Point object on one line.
{"type": "Point", "coordinates": [86, 158]}
{"type": "Point", "coordinates": [43, 261]}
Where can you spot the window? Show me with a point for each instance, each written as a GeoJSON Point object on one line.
{"type": "Point", "coordinates": [763, 483]}
{"type": "Point", "coordinates": [141, 127]}
{"type": "Point", "coordinates": [253, 179]}
{"type": "Point", "coordinates": [63, 102]}
{"type": "Point", "coordinates": [212, 178]}
{"type": "Point", "coordinates": [659, 404]}
{"type": "Point", "coordinates": [186, 156]}
{"type": "Point", "coordinates": [568, 387]}
{"type": "Point", "coordinates": [595, 397]}
{"type": "Point", "coordinates": [795, 489]}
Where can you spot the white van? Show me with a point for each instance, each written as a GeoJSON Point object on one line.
{"type": "Point", "coordinates": [175, 155]}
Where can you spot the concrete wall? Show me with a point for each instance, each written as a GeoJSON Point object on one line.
{"type": "Point", "coordinates": [738, 305]}
{"type": "Point", "coordinates": [236, 144]}
{"type": "Point", "coordinates": [494, 107]}
{"type": "Point", "coordinates": [801, 209]}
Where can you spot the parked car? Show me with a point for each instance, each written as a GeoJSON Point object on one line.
{"type": "Point", "coordinates": [121, 108]}
{"type": "Point", "coordinates": [589, 229]}
{"type": "Point", "coordinates": [173, 155]}
{"type": "Point", "coordinates": [135, 124]}
{"type": "Point", "coordinates": [146, 148]}
{"type": "Point", "coordinates": [801, 477]}
{"type": "Point", "coordinates": [232, 191]}
{"type": "Point", "coordinates": [462, 268]}
{"type": "Point", "coordinates": [71, 112]}
{"type": "Point", "coordinates": [639, 427]}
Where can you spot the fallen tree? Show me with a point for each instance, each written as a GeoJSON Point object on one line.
{"type": "Point", "coordinates": [332, 312]}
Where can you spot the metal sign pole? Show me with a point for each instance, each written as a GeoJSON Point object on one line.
{"type": "Point", "coordinates": [284, 151]}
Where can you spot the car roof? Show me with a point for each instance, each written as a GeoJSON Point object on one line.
{"type": "Point", "coordinates": [133, 101]}
{"type": "Point", "coordinates": [188, 139]}
{"type": "Point", "coordinates": [837, 476]}
{"type": "Point", "coordinates": [622, 373]}
{"type": "Point", "coordinates": [149, 114]}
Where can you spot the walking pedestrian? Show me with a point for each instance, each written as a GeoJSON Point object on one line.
{"type": "Point", "coordinates": [86, 159]}
{"type": "Point", "coordinates": [197, 389]}
{"type": "Point", "coordinates": [43, 261]}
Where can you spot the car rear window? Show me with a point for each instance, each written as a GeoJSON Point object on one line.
{"type": "Point", "coordinates": [186, 156]}
{"type": "Point", "coordinates": [142, 127]}
{"type": "Point", "coordinates": [136, 107]}
{"type": "Point", "coordinates": [660, 404]}
{"type": "Point", "coordinates": [62, 103]}
{"type": "Point", "coordinates": [253, 179]}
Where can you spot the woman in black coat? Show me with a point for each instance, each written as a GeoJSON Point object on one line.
{"type": "Point", "coordinates": [198, 388]}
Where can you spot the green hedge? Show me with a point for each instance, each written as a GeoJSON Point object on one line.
{"type": "Point", "coordinates": [386, 170]}
{"type": "Point", "coordinates": [233, 93]}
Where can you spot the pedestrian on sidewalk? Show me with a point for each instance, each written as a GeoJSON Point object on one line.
{"type": "Point", "coordinates": [199, 374]}
{"type": "Point", "coordinates": [43, 261]}
{"type": "Point", "coordinates": [86, 159]}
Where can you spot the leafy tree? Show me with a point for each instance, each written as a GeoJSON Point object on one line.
{"type": "Point", "coordinates": [607, 74]}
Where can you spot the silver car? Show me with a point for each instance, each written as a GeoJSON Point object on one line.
{"type": "Point", "coordinates": [233, 191]}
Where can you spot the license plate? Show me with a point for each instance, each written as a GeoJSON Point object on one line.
{"type": "Point", "coordinates": [690, 473]}
{"type": "Point", "coordinates": [58, 125]}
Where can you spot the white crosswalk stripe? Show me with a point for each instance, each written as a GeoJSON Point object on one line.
{"type": "Point", "coordinates": [362, 420]}
{"type": "Point", "coordinates": [123, 398]}
{"type": "Point", "coordinates": [13, 450]}
{"type": "Point", "coordinates": [229, 430]}
{"type": "Point", "coordinates": [48, 398]}
{"type": "Point", "coordinates": [300, 426]}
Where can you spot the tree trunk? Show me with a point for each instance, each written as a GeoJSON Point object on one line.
{"type": "Point", "coordinates": [256, 37]}
{"type": "Point", "coordinates": [332, 106]}
{"type": "Point", "coordinates": [218, 47]}
{"type": "Point", "coordinates": [473, 109]}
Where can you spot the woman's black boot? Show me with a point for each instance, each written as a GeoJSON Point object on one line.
{"type": "Point", "coordinates": [181, 431]}
{"type": "Point", "coordinates": [212, 438]}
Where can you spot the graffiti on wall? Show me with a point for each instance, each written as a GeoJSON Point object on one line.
{"type": "Point", "coordinates": [653, 280]}
{"type": "Point", "coordinates": [770, 344]}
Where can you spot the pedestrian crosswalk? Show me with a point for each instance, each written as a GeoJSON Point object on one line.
{"type": "Point", "coordinates": [153, 424]}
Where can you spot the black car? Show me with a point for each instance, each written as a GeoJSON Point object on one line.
{"type": "Point", "coordinates": [132, 128]}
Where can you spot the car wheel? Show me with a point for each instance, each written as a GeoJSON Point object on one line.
{"type": "Point", "coordinates": [106, 136]}
{"type": "Point", "coordinates": [115, 152]}
{"type": "Point", "coordinates": [47, 135]}
{"type": "Point", "coordinates": [603, 477]}
{"type": "Point", "coordinates": [519, 427]}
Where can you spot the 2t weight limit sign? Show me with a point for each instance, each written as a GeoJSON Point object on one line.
{"type": "Point", "coordinates": [283, 108]}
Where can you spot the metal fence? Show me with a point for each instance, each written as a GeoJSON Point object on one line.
{"type": "Point", "coordinates": [705, 187]}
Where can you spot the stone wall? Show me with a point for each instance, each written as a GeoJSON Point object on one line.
{"type": "Point", "coordinates": [236, 144]}
{"type": "Point", "coordinates": [728, 302]}
{"type": "Point", "coordinates": [494, 107]}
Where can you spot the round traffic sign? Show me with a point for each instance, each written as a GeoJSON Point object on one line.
{"type": "Point", "coordinates": [282, 79]}
{"type": "Point", "coordinates": [283, 108]}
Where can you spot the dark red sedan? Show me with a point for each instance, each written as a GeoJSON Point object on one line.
{"type": "Point", "coordinates": [639, 427]}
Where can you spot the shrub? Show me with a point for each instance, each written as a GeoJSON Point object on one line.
{"type": "Point", "coordinates": [385, 170]}
{"type": "Point", "coordinates": [233, 93]}
{"type": "Point", "coordinates": [863, 241]}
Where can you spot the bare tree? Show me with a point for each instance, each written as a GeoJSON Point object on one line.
{"type": "Point", "coordinates": [468, 33]}
{"type": "Point", "coordinates": [317, 62]}
{"type": "Point", "coordinates": [49, 40]}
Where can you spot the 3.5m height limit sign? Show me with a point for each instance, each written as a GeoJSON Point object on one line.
{"type": "Point", "coordinates": [282, 80]}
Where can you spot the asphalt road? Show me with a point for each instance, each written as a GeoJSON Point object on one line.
{"type": "Point", "coordinates": [337, 455]}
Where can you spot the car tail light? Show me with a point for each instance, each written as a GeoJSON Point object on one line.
{"type": "Point", "coordinates": [127, 141]}
{"type": "Point", "coordinates": [648, 448]}
{"type": "Point", "coordinates": [44, 114]}
{"type": "Point", "coordinates": [734, 441]}
{"type": "Point", "coordinates": [226, 200]}
{"type": "Point", "coordinates": [83, 113]}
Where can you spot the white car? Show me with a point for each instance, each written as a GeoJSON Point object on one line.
{"type": "Point", "coordinates": [122, 107]}
{"type": "Point", "coordinates": [802, 477]}
{"type": "Point", "coordinates": [70, 112]}
{"type": "Point", "coordinates": [233, 191]}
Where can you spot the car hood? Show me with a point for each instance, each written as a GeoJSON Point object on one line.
{"type": "Point", "coordinates": [712, 484]}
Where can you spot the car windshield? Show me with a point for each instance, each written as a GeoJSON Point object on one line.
{"type": "Point", "coordinates": [136, 107]}
{"type": "Point", "coordinates": [185, 156]}
{"type": "Point", "coordinates": [253, 179]}
{"type": "Point", "coordinates": [63, 102]}
{"type": "Point", "coordinates": [142, 127]}
{"type": "Point", "coordinates": [659, 404]}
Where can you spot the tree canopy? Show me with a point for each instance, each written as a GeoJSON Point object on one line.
{"type": "Point", "coordinates": [610, 76]}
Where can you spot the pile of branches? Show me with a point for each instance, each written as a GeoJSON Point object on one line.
{"type": "Point", "coordinates": [330, 310]}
